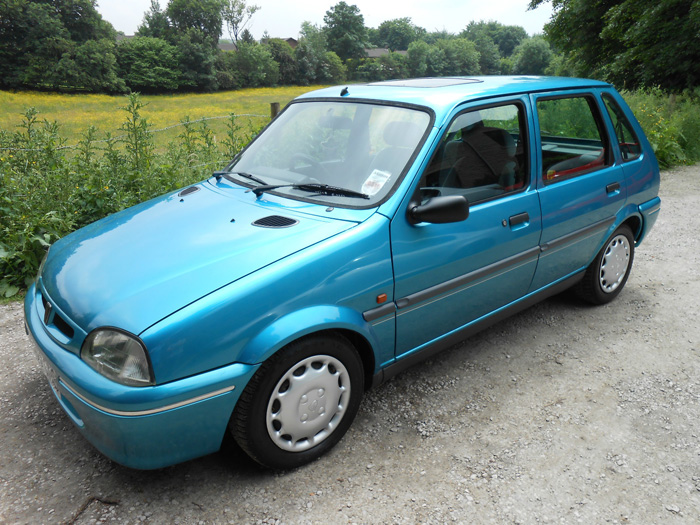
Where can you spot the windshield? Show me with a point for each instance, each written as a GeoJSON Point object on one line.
{"type": "Point", "coordinates": [361, 148]}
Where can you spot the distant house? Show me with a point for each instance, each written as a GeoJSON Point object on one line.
{"type": "Point", "coordinates": [293, 42]}
{"type": "Point", "coordinates": [228, 46]}
{"type": "Point", "coordinates": [376, 52]}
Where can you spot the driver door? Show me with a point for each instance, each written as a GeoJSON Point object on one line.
{"type": "Point", "coordinates": [449, 275]}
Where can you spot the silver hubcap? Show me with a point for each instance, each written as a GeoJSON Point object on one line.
{"type": "Point", "coordinates": [616, 260]}
{"type": "Point", "coordinates": [308, 403]}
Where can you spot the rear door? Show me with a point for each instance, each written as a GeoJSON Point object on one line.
{"type": "Point", "coordinates": [581, 188]}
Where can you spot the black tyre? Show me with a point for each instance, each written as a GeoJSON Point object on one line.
{"type": "Point", "coordinates": [606, 276]}
{"type": "Point", "coordinates": [300, 402]}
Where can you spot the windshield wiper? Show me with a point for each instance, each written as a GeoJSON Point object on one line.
{"type": "Point", "coordinates": [227, 176]}
{"type": "Point", "coordinates": [322, 189]}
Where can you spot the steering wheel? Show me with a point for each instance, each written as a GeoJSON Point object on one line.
{"type": "Point", "coordinates": [303, 157]}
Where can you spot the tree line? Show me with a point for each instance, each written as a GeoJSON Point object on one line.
{"type": "Point", "coordinates": [65, 45]}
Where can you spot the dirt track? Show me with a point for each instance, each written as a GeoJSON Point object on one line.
{"type": "Point", "coordinates": [563, 414]}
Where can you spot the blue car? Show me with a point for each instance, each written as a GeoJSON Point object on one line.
{"type": "Point", "coordinates": [366, 228]}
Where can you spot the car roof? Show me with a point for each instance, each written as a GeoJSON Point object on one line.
{"type": "Point", "coordinates": [443, 93]}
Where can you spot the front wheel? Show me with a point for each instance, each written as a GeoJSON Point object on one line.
{"type": "Point", "coordinates": [608, 273]}
{"type": "Point", "coordinates": [300, 402]}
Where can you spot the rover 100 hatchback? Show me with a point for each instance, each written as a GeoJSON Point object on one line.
{"type": "Point", "coordinates": [364, 229]}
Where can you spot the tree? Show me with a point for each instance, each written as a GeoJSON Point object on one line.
{"type": "Point", "coordinates": [237, 16]}
{"type": "Point", "coordinates": [247, 37]}
{"type": "Point", "coordinates": [393, 66]}
{"type": "Point", "coordinates": [373, 39]}
{"type": "Point", "coordinates": [155, 22]}
{"type": "Point", "coordinates": [227, 74]}
{"type": "Point", "coordinates": [345, 31]}
{"type": "Point", "coordinates": [203, 16]}
{"type": "Point", "coordinates": [91, 66]}
{"type": "Point", "coordinates": [332, 69]}
{"type": "Point", "coordinates": [255, 65]}
{"type": "Point", "coordinates": [532, 57]}
{"type": "Point", "coordinates": [310, 53]}
{"type": "Point", "coordinates": [81, 19]}
{"type": "Point", "coordinates": [454, 56]}
{"type": "Point", "coordinates": [432, 37]}
{"type": "Point", "coordinates": [32, 41]}
{"type": "Point", "coordinates": [489, 55]}
{"type": "Point", "coordinates": [283, 54]}
{"type": "Point", "coordinates": [630, 43]}
{"type": "Point", "coordinates": [460, 56]}
{"type": "Point", "coordinates": [148, 64]}
{"type": "Point", "coordinates": [658, 43]}
{"type": "Point", "coordinates": [417, 58]}
{"type": "Point", "coordinates": [197, 59]}
{"type": "Point", "coordinates": [436, 61]}
{"type": "Point", "coordinates": [43, 41]}
{"type": "Point", "coordinates": [398, 34]}
{"type": "Point", "coordinates": [507, 38]}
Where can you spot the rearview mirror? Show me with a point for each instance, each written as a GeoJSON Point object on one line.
{"type": "Point", "coordinates": [440, 210]}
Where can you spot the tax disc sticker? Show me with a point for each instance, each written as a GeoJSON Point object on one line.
{"type": "Point", "coordinates": [375, 182]}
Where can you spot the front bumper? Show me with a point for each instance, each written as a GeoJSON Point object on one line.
{"type": "Point", "coordinates": [139, 427]}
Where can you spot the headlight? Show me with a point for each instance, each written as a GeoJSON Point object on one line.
{"type": "Point", "coordinates": [118, 356]}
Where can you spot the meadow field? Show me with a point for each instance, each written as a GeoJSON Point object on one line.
{"type": "Point", "coordinates": [75, 113]}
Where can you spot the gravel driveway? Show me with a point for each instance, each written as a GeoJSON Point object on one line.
{"type": "Point", "coordinates": [563, 414]}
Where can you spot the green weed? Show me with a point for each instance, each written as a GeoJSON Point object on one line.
{"type": "Point", "coordinates": [48, 190]}
{"type": "Point", "coordinates": [670, 122]}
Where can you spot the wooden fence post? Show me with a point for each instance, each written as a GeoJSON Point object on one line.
{"type": "Point", "coordinates": [274, 109]}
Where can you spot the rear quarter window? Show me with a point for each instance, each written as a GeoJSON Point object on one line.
{"type": "Point", "coordinates": [627, 140]}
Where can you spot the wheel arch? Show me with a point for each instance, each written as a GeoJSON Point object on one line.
{"type": "Point", "coordinates": [364, 349]}
{"type": "Point", "coordinates": [635, 223]}
{"type": "Point", "coordinates": [309, 322]}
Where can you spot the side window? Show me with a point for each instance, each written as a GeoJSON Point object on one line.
{"type": "Point", "coordinates": [572, 137]}
{"type": "Point", "coordinates": [482, 155]}
{"type": "Point", "coordinates": [626, 137]}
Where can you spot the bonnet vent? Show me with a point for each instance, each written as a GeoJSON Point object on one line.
{"type": "Point", "coordinates": [188, 191]}
{"type": "Point", "coordinates": [275, 221]}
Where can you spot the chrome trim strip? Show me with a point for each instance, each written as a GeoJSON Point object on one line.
{"type": "Point", "coordinates": [151, 411]}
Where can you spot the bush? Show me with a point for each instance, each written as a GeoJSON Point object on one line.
{"type": "Point", "coordinates": [48, 190]}
{"type": "Point", "coordinates": [148, 64]}
{"type": "Point", "coordinates": [255, 65]}
{"type": "Point", "coordinates": [670, 122]}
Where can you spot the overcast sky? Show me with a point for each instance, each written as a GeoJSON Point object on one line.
{"type": "Point", "coordinates": [283, 18]}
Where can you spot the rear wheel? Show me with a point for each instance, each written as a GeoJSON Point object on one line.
{"type": "Point", "coordinates": [608, 273]}
{"type": "Point", "coordinates": [300, 402]}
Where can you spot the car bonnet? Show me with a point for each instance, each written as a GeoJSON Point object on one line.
{"type": "Point", "coordinates": [136, 267]}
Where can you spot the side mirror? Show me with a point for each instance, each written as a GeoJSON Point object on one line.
{"type": "Point", "coordinates": [440, 210]}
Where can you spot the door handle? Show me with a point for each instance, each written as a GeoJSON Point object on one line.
{"type": "Point", "coordinates": [612, 188]}
{"type": "Point", "coordinates": [520, 218]}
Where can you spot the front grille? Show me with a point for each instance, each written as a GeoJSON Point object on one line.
{"type": "Point", "coordinates": [51, 317]}
{"type": "Point", "coordinates": [63, 327]}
